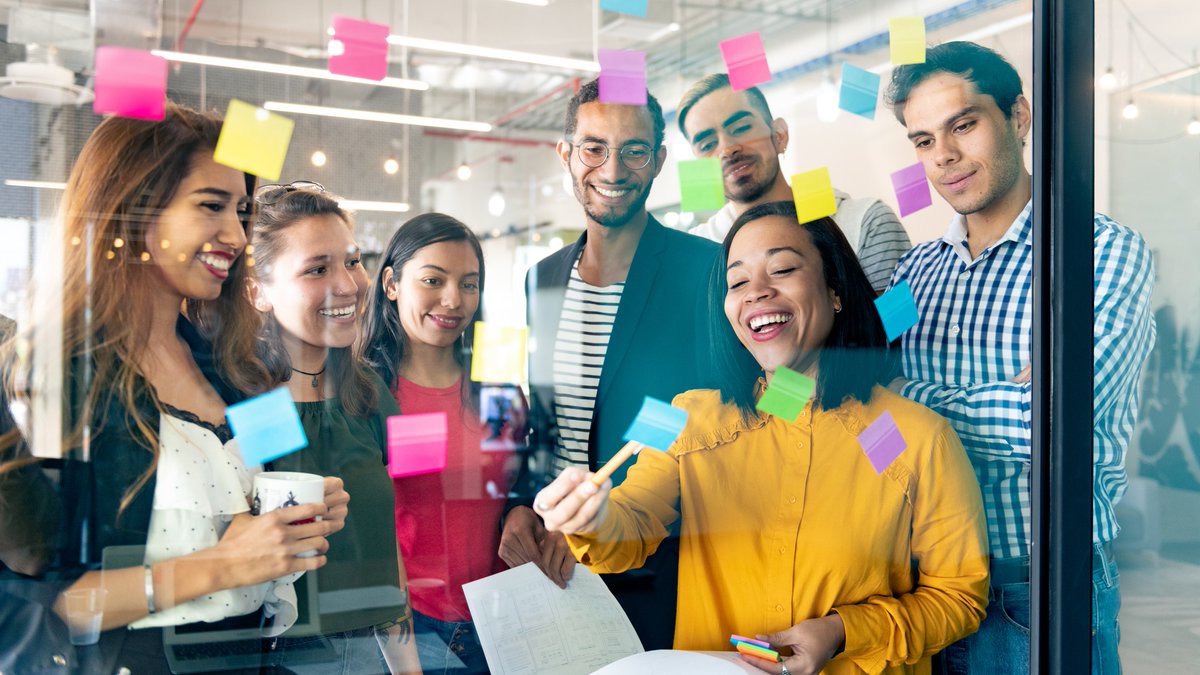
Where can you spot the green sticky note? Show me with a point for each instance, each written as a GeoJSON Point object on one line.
{"type": "Point", "coordinates": [701, 187]}
{"type": "Point", "coordinates": [813, 193]}
{"type": "Point", "coordinates": [907, 39]}
{"type": "Point", "coordinates": [787, 394]}
{"type": "Point", "coordinates": [253, 140]}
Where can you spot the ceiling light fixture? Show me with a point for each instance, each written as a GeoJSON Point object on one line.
{"type": "Point", "coordinates": [318, 159]}
{"type": "Point", "coordinates": [1130, 111]}
{"type": "Point", "coordinates": [464, 171]}
{"type": "Point", "coordinates": [39, 184]}
{"type": "Point", "coordinates": [369, 116]}
{"type": "Point", "coordinates": [496, 203]}
{"type": "Point", "coordinates": [280, 69]}
{"type": "Point", "coordinates": [391, 166]}
{"type": "Point", "coordinates": [493, 53]}
{"type": "Point", "coordinates": [1193, 127]}
{"type": "Point", "coordinates": [664, 31]}
{"type": "Point", "coordinates": [362, 205]}
{"type": "Point", "coordinates": [535, 3]}
{"type": "Point", "coordinates": [1107, 81]}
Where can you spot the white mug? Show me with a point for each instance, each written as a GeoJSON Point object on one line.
{"type": "Point", "coordinates": [281, 489]}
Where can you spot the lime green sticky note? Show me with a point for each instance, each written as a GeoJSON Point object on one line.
{"type": "Point", "coordinates": [499, 353]}
{"type": "Point", "coordinates": [907, 37]}
{"type": "Point", "coordinates": [787, 394]}
{"type": "Point", "coordinates": [701, 187]}
{"type": "Point", "coordinates": [813, 193]}
{"type": "Point", "coordinates": [253, 140]}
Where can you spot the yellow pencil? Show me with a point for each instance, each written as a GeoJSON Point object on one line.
{"type": "Point", "coordinates": [631, 448]}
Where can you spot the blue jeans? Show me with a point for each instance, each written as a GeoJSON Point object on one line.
{"type": "Point", "coordinates": [1001, 645]}
{"type": "Point", "coordinates": [448, 648]}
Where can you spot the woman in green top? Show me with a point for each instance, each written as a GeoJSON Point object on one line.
{"type": "Point", "coordinates": [310, 285]}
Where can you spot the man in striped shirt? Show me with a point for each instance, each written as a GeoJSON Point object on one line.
{"type": "Point", "coordinates": [737, 128]}
{"type": "Point", "coordinates": [969, 356]}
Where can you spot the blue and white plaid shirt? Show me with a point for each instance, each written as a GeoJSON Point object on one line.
{"type": "Point", "coordinates": [974, 336]}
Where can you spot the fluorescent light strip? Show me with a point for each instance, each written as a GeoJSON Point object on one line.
{"type": "Point", "coordinates": [535, 3]}
{"type": "Point", "coordinates": [368, 116]}
{"type": "Point", "coordinates": [42, 184]}
{"type": "Point", "coordinates": [280, 69]}
{"type": "Point", "coordinates": [493, 53]}
{"type": "Point", "coordinates": [361, 205]}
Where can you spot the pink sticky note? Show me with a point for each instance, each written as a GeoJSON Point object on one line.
{"type": "Point", "coordinates": [622, 76]}
{"type": "Point", "coordinates": [130, 83]}
{"type": "Point", "coordinates": [912, 190]}
{"type": "Point", "coordinates": [745, 61]}
{"type": "Point", "coordinates": [416, 444]}
{"type": "Point", "coordinates": [882, 442]}
{"type": "Point", "coordinates": [358, 48]}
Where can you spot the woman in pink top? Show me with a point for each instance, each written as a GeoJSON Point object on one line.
{"type": "Point", "coordinates": [417, 336]}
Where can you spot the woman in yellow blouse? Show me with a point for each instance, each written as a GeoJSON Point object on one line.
{"type": "Point", "coordinates": [788, 532]}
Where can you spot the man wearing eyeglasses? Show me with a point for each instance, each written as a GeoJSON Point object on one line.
{"type": "Point", "coordinates": [615, 317]}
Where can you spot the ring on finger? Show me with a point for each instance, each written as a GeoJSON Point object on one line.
{"type": "Point", "coordinates": [784, 668]}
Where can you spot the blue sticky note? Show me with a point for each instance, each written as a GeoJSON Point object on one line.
{"type": "Point", "coordinates": [897, 309]}
{"type": "Point", "coordinates": [859, 91]}
{"type": "Point", "coordinates": [657, 424]}
{"type": "Point", "coordinates": [266, 427]}
{"type": "Point", "coordinates": [630, 7]}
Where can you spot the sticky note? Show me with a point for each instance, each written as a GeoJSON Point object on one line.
{"type": "Point", "coordinates": [416, 444]}
{"type": "Point", "coordinates": [912, 189]}
{"type": "Point", "coordinates": [859, 91]}
{"type": "Point", "coordinates": [882, 442]}
{"type": "Point", "coordinates": [266, 427]}
{"type": "Point", "coordinates": [760, 652]}
{"type": "Point", "coordinates": [701, 186]}
{"type": "Point", "coordinates": [253, 140]}
{"type": "Point", "coordinates": [657, 424]}
{"type": "Point", "coordinates": [907, 39]}
{"type": "Point", "coordinates": [787, 394]}
{"type": "Point", "coordinates": [813, 193]}
{"type": "Point", "coordinates": [358, 48]}
{"type": "Point", "coordinates": [735, 638]}
{"type": "Point", "coordinates": [630, 7]}
{"type": "Point", "coordinates": [745, 61]}
{"type": "Point", "coordinates": [499, 353]}
{"type": "Point", "coordinates": [130, 83]}
{"type": "Point", "coordinates": [897, 309]}
{"type": "Point", "coordinates": [622, 76]}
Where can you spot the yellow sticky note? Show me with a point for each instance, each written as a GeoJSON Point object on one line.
{"type": "Point", "coordinates": [253, 140]}
{"type": "Point", "coordinates": [499, 353]}
{"type": "Point", "coordinates": [907, 37]}
{"type": "Point", "coordinates": [813, 193]}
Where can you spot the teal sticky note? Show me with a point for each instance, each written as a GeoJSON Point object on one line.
{"type": "Point", "coordinates": [859, 91]}
{"type": "Point", "coordinates": [630, 7]}
{"type": "Point", "coordinates": [266, 427]}
{"type": "Point", "coordinates": [787, 394]}
{"type": "Point", "coordinates": [897, 309]}
{"type": "Point", "coordinates": [701, 187]}
{"type": "Point", "coordinates": [657, 424]}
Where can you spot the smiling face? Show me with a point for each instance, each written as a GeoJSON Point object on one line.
{"type": "Point", "coordinates": [611, 194]}
{"type": "Point", "coordinates": [197, 237]}
{"type": "Point", "coordinates": [778, 302]}
{"type": "Point", "coordinates": [316, 284]}
{"type": "Point", "coordinates": [436, 293]}
{"type": "Point", "coordinates": [724, 124]}
{"type": "Point", "coordinates": [970, 150]}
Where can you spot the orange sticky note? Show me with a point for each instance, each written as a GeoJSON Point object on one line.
{"type": "Point", "coordinates": [499, 353]}
{"type": "Point", "coordinates": [813, 193]}
{"type": "Point", "coordinates": [907, 39]}
{"type": "Point", "coordinates": [253, 140]}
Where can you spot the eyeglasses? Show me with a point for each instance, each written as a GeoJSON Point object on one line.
{"type": "Point", "coordinates": [634, 156]}
{"type": "Point", "coordinates": [267, 195]}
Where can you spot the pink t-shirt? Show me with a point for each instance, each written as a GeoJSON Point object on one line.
{"type": "Point", "coordinates": [447, 523]}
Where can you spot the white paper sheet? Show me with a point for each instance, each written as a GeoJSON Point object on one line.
{"type": "Point", "coordinates": [673, 662]}
{"type": "Point", "coordinates": [528, 625]}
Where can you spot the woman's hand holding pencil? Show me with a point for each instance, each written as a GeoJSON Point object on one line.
{"type": "Point", "coordinates": [573, 504]}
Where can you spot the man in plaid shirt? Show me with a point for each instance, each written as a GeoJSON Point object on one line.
{"type": "Point", "coordinates": [969, 356]}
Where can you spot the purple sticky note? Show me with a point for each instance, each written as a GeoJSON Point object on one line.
{"type": "Point", "coordinates": [358, 48]}
{"type": "Point", "coordinates": [882, 442]}
{"type": "Point", "coordinates": [622, 76]}
{"type": "Point", "coordinates": [912, 190]}
{"type": "Point", "coordinates": [130, 83]}
{"type": "Point", "coordinates": [745, 61]}
{"type": "Point", "coordinates": [416, 444]}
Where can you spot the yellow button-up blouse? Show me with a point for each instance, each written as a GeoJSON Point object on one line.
{"type": "Point", "coordinates": [784, 522]}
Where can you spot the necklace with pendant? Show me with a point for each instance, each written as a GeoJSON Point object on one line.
{"type": "Point", "coordinates": [315, 384]}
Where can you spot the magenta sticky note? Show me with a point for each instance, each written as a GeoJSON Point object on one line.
{"type": "Point", "coordinates": [130, 83]}
{"type": "Point", "coordinates": [358, 48]}
{"type": "Point", "coordinates": [882, 442]}
{"type": "Point", "coordinates": [622, 76]}
{"type": "Point", "coordinates": [912, 189]}
{"type": "Point", "coordinates": [745, 61]}
{"type": "Point", "coordinates": [416, 444]}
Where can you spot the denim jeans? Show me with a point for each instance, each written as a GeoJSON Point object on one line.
{"type": "Point", "coordinates": [1001, 645]}
{"type": "Point", "coordinates": [448, 648]}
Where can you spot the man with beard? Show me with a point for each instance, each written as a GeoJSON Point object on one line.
{"type": "Point", "coordinates": [615, 317]}
{"type": "Point", "coordinates": [737, 128]}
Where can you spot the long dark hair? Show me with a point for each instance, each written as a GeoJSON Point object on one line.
{"type": "Point", "coordinates": [383, 340]}
{"type": "Point", "coordinates": [856, 355]}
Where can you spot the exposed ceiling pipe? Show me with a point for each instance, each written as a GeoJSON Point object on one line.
{"type": "Point", "coordinates": [462, 135]}
{"type": "Point", "coordinates": [187, 25]}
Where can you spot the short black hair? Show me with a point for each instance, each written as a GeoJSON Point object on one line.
{"type": "Point", "coordinates": [590, 93]}
{"type": "Point", "coordinates": [988, 71]}
{"type": "Point", "coordinates": [715, 82]}
{"type": "Point", "coordinates": [856, 355]}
